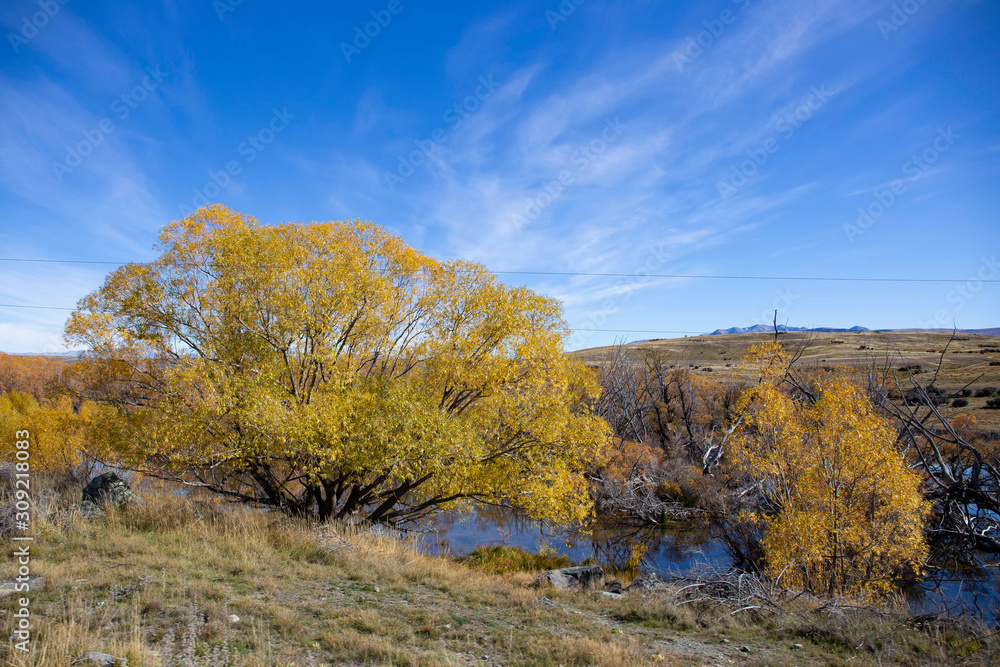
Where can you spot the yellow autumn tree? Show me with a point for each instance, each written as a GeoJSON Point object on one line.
{"type": "Point", "coordinates": [842, 512]}
{"type": "Point", "coordinates": [56, 430]}
{"type": "Point", "coordinates": [329, 368]}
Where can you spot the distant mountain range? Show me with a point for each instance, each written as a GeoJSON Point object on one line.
{"type": "Point", "coordinates": [767, 328]}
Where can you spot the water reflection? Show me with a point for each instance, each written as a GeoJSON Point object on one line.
{"type": "Point", "coordinates": [971, 590]}
{"type": "Point", "coordinates": [679, 548]}
{"type": "Point", "coordinates": [672, 549]}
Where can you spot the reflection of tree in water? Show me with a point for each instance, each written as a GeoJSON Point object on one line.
{"type": "Point", "coordinates": [959, 587]}
{"type": "Point", "coordinates": [617, 547]}
{"type": "Point", "coordinates": [678, 544]}
{"type": "Point", "coordinates": [489, 520]}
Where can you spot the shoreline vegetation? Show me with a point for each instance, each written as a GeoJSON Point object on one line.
{"type": "Point", "coordinates": [186, 581]}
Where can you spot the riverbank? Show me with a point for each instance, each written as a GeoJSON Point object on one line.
{"type": "Point", "coordinates": [178, 579]}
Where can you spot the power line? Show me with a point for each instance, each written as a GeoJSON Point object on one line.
{"type": "Point", "coordinates": [64, 261]}
{"type": "Point", "coordinates": [703, 276]}
{"type": "Point", "coordinates": [19, 305]}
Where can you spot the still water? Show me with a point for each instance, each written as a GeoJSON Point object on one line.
{"type": "Point", "coordinates": [676, 549]}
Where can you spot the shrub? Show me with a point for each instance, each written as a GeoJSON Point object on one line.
{"type": "Point", "coordinates": [959, 403]}
{"type": "Point", "coordinates": [993, 404]}
{"type": "Point", "coordinates": [854, 542]}
{"type": "Point", "coordinates": [500, 559]}
{"type": "Point", "coordinates": [995, 363]}
{"type": "Point", "coordinates": [669, 490]}
{"type": "Point", "coordinates": [965, 393]}
{"type": "Point", "coordinates": [983, 392]}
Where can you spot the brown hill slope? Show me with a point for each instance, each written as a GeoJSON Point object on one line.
{"type": "Point", "coordinates": [966, 362]}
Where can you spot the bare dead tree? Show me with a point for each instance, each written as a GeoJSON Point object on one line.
{"type": "Point", "coordinates": [624, 401]}
{"type": "Point", "coordinates": [962, 476]}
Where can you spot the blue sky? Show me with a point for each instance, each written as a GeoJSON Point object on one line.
{"type": "Point", "coordinates": [716, 138]}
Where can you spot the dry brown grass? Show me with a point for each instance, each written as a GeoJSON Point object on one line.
{"type": "Point", "coordinates": [157, 583]}
{"type": "Point", "coordinates": [967, 359]}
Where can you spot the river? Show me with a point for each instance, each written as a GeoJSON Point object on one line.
{"type": "Point", "coordinates": [675, 549]}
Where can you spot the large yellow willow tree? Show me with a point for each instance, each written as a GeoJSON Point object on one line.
{"type": "Point", "coordinates": [842, 512]}
{"type": "Point", "coordinates": [329, 368]}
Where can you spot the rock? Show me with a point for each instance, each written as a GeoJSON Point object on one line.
{"type": "Point", "coordinates": [795, 646]}
{"type": "Point", "coordinates": [89, 511]}
{"type": "Point", "coordinates": [609, 594]}
{"type": "Point", "coordinates": [745, 649]}
{"type": "Point", "coordinates": [95, 659]}
{"type": "Point", "coordinates": [233, 618]}
{"type": "Point", "coordinates": [614, 586]}
{"type": "Point", "coordinates": [646, 584]}
{"type": "Point", "coordinates": [109, 488]}
{"type": "Point", "coordinates": [10, 586]}
{"type": "Point", "coordinates": [583, 576]}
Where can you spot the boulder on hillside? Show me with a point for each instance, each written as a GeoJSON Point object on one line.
{"type": "Point", "coordinates": [647, 584]}
{"type": "Point", "coordinates": [109, 489]}
{"type": "Point", "coordinates": [583, 576]}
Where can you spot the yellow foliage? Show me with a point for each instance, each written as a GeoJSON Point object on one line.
{"type": "Point", "coordinates": [966, 426]}
{"type": "Point", "coordinates": [330, 366]}
{"type": "Point", "coordinates": [669, 489]}
{"type": "Point", "coordinates": [56, 430]}
{"type": "Point", "coordinates": [765, 362]}
{"type": "Point", "coordinates": [850, 512]}
{"type": "Point", "coordinates": [625, 460]}
{"type": "Point", "coordinates": [36, 376]}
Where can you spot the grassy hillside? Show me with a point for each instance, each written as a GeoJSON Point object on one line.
{"type": "Point", "coordinates": [966, 361]}
{"type": "Point", "coordinates": [157, 584]}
